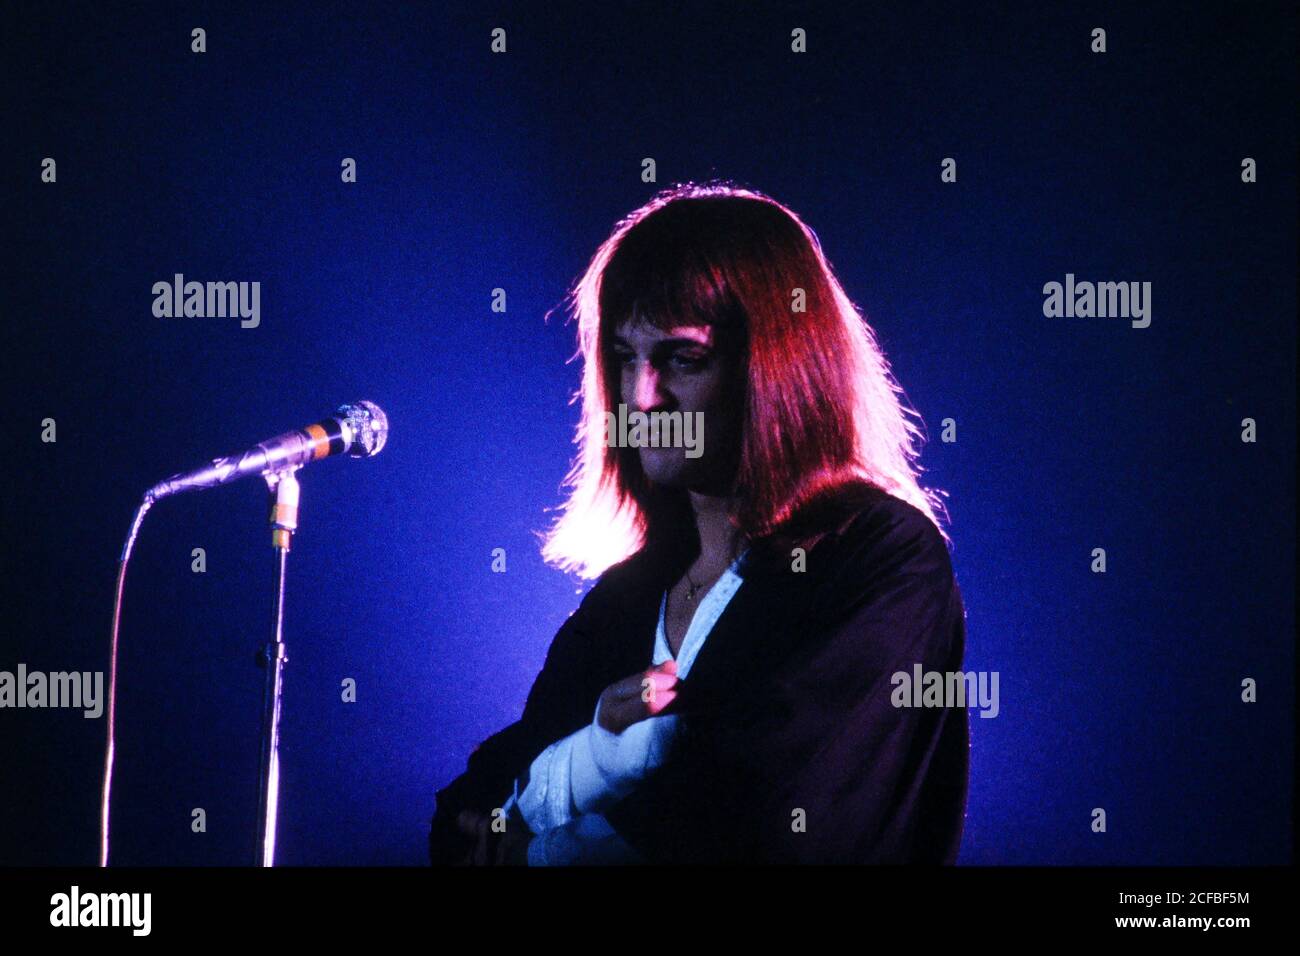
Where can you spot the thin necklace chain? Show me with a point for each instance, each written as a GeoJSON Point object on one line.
{"type": "Point", "coordinates": [695, 588]}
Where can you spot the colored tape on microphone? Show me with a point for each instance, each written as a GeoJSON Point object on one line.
{"type": "Point", "coordinates": [328, 438]}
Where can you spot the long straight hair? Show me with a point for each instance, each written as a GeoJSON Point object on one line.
{"type": "Point", "coordinates": [820, 408]}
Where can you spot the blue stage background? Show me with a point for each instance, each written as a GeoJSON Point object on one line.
{"type": "Point", "coordinates": [477, 171]}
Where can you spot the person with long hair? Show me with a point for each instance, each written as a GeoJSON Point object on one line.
{"type": "Point", "coordinates": [726, 690]}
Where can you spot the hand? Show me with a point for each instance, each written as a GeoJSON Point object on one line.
{"type": "Point", "coordinates": [644, 694]}
{"type": "Point", "coordinates": [509, 848]}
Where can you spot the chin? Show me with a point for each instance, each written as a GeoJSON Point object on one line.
{"type": "Point", "coordinates": [665, 468]}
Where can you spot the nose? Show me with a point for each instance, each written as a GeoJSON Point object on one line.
{"type": "Point", "coordinates": [648, 392]}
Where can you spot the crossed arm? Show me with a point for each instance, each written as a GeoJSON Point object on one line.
{"type": "Point", "coordinates": [556, 819]}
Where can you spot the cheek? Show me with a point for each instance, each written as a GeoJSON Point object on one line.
{"type": "Point", "coordinates": [711, 396]}
{"type": "Point", "coordinates": [623, 384]}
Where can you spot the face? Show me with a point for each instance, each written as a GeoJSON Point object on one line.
{"type": "Point", "coordinates": [683, 370]}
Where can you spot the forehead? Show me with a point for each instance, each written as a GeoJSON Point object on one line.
{"type": "Point", "coordinates": [637, 331]}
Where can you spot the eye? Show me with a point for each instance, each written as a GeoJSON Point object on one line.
{"type": "Point", "coordinates": [690, 361]}
{"type": "Point", "coordinates": [622, 357]}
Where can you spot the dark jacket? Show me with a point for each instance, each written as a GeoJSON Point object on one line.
{"type": "Point", "coordinates": [790, 749]}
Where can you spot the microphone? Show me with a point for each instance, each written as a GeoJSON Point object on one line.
{"type": "Point", "coordinates": [359, 430]}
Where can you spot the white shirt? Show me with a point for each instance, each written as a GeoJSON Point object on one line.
{"type": "Point", "coordinates": [575, 778]}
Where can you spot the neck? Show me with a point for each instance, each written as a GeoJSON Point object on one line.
{"type": "Point", "coordinates": [718, 537]}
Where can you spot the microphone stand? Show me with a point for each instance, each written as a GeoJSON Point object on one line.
{"type": "Point", "coordinates": [284, 521]}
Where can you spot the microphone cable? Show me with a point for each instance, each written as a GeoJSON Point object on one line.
{"type": "Point", "coordinates": [140, 512]}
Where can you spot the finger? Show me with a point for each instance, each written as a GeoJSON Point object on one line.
{"type": "Point", "coordinates": [629, 688]}
{"type": "Point", "coordinates": [660, 680]}
{"type": "Point", "coordinates": [654, 684]}
{"type": "Point", "coordinates": [660, 701]}
{"type": "Point", "coordinates": [674, 706]}
{"type": "Point", "coordinates": [682, 688]}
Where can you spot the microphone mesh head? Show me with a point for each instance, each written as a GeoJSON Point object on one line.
{"type": "Point", "coordinates": [369, 426]}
